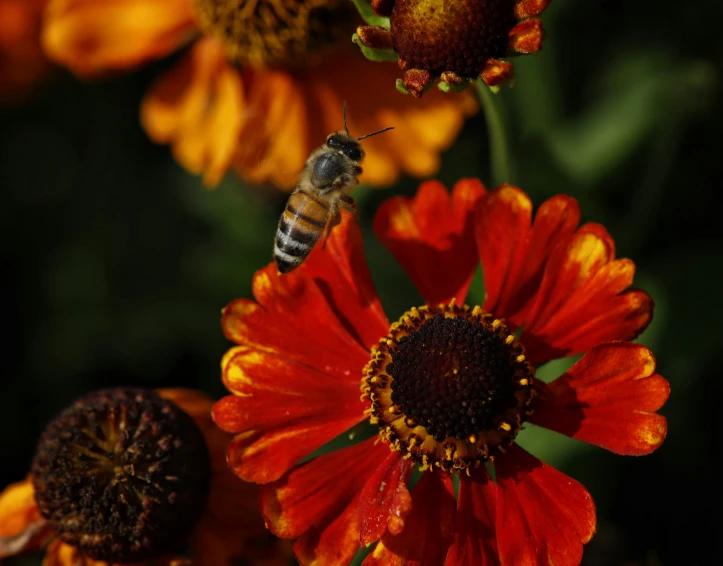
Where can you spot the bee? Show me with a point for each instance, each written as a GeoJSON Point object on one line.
{"type": "Point", "coordinates": [314, 208]}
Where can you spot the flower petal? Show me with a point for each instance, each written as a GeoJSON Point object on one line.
{"type": "Point", "coordinates": [285, 409]}
{"type": "Point", "coordinates": [385, 500]}
{"type": "Point", "coordinates": [427, 530]}
{"type": "Point", "coordinates": [609, 398]}
{"type": "Point", "coordinates": [91, 37]}
{"type": "Point", "coordinates": [290, 114]}
{"type": "Point", "coordinates": [21, 525]}
{"type": "Point", "coordinates": [474, 526]}
{"type": "Point", "coordinates": [513, 251]}
{"type": "Point", "coordinates": [430, 235]}
{"type": "Point", "coordinates": [543, 516]}
{"type": "Point", "coordinates": [60, 553]}
{"type": "Point", "coordinates": [197, 107]}
{"type": "Point", "coordinates": [319, 501]}
{"type": "Point", "coordinates": [582, 299]}
{"type": "Point", "coordinates": [325, 314]}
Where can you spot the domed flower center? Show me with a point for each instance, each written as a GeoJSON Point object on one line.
{"type": "Point", "coordinates": [265, 33]}
{"type": "Point", "coordinates": [122, 475]}
{"type": "Point", "coordinates": [458, 36]}
{"type": "Point", "coordinates": [449, 387]}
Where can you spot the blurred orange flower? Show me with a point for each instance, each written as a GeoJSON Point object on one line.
{"type": "Point", "coordinates": [22, 62]}
{"type": "Point", "coordinates": [99, 448]}
{"type": "Point", "coordinates": [260, 86]}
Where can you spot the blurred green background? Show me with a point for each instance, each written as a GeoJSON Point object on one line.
{"type": "Point", "coordinates": [116, 262]}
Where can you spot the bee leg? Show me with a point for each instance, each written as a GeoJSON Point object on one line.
{"type": "Point", "coordinates": [334, 219]}
{"type": "Point", "coordinates": [347, 203]}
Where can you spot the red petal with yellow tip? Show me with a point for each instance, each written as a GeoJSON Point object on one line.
{"type": "Point", "coordinates": [543, 516]}
{"type": "Point", "coordinates": [385, 500]}
{"type": "Point", "coordinates": [609, 398]}
{"type": "Point", "coordinates": [287, 409]}
{"type": "Point", "coordinates": [513, 251]}
{"type": "Point", "coordinates": [427, 531]}
{"type": "Point", "coordinates": [582, 300]}
{"type": "Point", "coordinates": [320, 500]}
{"type": "Point", "coordinates": [526, 37]}
{"type": "Point", "coordinates": [421, 233]}
{"type": "Point", "coordinates": [22, 527]}
{"type": "Point", "coordinates": [329, 321]}
{"type": "Point", "coordinates": [474, 526]}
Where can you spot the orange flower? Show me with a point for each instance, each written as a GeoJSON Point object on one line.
{"type": "Point", "coordinates": [260, 87]}
{"type": "Point", "coordinates": [22, 62]}
{"type": "Point", "coordinates": [134, 476]}
{"type": "Point", "coordinates": [460, 43]}
{"type": "Point", "coordinates": [446, 388]}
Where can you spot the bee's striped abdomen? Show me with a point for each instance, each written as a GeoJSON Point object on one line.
{"type": "Point", "coordinates": [300, 227]}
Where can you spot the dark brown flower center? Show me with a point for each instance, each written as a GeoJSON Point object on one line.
{"type": "Point", "coordinates": [457, 36]}
{"type": "Point", "coordinates": [285, 33]}
{"type": "Point", "coordinates": [449, 387]}
{"type": "Point", "coordinates": [122, 474]}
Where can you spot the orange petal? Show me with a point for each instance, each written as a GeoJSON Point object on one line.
{"type": "Point", "coordinates": [91, 37]}
{"type": "Point", "coordinates": [514, 253]}
{"type": "Point", "coordinates": [427, 531]}
{"type": "Point", "coordinates": [609, 398]}
{"type": "Point", "coordinates": [288, 115]}
{"type": "Point", "coordinates": [325, 314]}
{"type": "Point", "coordinates": [430, 235]}
{"type": "Point", "coordinates": [21, 525]}
{"type": "Point", "coordinates": [582, 300]}
{"type": "Point", "coordinates": [197, 108]}
{"type": "Point", "coordinates": [543, 516]}
{"type": "Point", "coordinates": [62, 554]}
{"type": "Point", "coordinates": [474, 525]}
{"type": "Point", "coordinates": [526, 37]}
{"type": "Point", "coordinates": [318, 501]}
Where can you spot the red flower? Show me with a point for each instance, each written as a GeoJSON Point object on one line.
{"type": "Point", "coordinates": [448, 385]}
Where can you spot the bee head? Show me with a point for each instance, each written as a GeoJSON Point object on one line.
{"type": "Point", "coordinates": [344, 143]}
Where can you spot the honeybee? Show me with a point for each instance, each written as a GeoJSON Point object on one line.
{"type": "Point", "coordinates": [314, 208]}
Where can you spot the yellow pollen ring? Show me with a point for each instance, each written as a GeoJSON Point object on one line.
{"type": "Point", "coordinates": [404, 434]}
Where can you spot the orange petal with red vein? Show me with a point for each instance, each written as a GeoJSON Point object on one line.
{"type": "Point", "coordinates": [609, 398]}
{"type": "Point", "coordinates": [582, 299]}
{"type": "Point", "coordinates": [329, 313]}
{"type": "Point", "coordinates": [514, 253]}
{"type": "Point", "coordinates": [543, 516]}
{"type": "Point", "coordinates": [474, 526]}
{"type": "Point", "coordinates": [430, 235]}
{"type": "Point", "coordinates": [385, 500]}
{"type": "Point", "coordinates": [91, 37]}
{"type": "Point", "coordinates": [320, 499]}
{"type": "Point", "coordinates": [526, 37]}
{"type": "Point", "coordinates": [22, 527]}
{"type": "Point", "coordinates": [197, 108]}
{"type": "Point", "coordinates": [528, 8]}
{"type": "Point", "coordinates": [427, 531]}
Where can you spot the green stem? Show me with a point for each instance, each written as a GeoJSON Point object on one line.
{"type": "Point", "coordinates": [500, 156]}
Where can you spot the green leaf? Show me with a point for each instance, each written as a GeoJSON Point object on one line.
{"type": "Point", "coordinates": [400, 87]}
{"type": "Point", "coordinates": [375, 54]}
{"type": "Point", "coordinates": [369, 16]}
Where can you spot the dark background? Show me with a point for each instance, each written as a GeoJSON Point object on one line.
{"type": "Point", "coordinates": [116, 263]}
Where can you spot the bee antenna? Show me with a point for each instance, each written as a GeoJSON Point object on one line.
{"type": "Point", "coordinates": [375, 133]}
{"type": "Point", "coordinates": [345, 128]}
